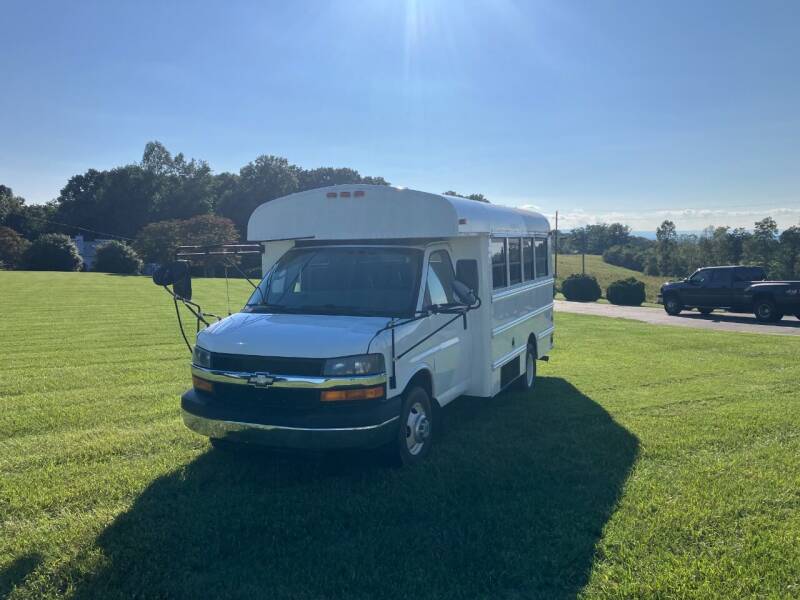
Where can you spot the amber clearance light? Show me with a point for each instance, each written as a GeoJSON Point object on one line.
{"type": "Point", "coordinates": [368, 393]}
{"type": "Point", "coordinates": [202, 384]}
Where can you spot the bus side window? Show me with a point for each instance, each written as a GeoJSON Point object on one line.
{"type": "Point", "coordinates": [542, 259]}
{"type": "Point", "coordinates": [527, 258]}
{"type": "Point", "coordinates": [499, 270]}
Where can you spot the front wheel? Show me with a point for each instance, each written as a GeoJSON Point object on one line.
{"type": "Point", "coordinates": [672, 305]}
{"type": "Point", "coordinates": [415, 434]}
{"type": "Point", "coordinates": [527, 381]}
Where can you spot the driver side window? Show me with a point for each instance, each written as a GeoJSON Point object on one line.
{"type": "Point", "coordinates": [440, 277]}
{"type": "Point", "coordinates": [701, 277]}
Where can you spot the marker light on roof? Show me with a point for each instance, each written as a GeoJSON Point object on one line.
{"type": "Point", "coordinates": [358, 193]}
{"type": "Point", "coordinates": [331, 195]}
{"type": "Point", "coordinates": [344, 194]}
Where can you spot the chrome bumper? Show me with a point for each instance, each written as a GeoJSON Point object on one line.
{"type": "Point", "coordinates": [369, 436]}
{"type": "Point", "coordinates": [286, 381]}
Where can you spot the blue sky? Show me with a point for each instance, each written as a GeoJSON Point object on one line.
{"type": "Point", "coordinates": [631, 111]}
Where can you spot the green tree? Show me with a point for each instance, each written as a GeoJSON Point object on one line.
{"type": "Point", "coordinates": [183, 188]}
{"type": "Point", "coordinates": [264, 179]}
{"type": "Point", "coordinates": [790, 253]}
{"type": "Point", "coordinates": [53, 252]}
{"type": "Point", "coordinates": [9, 203]}
{"type": "Point", "coordinates": [158, 242]}
{"type": "Point", "coordinates": [309, 179]}
{"type": "Point", "coordinates": [761, 248]}
{"type": "Point", "coordinates": [666, 243]}
{"type": "Point", "coordinates": [117, 257]}
{"type": "Point", "coordinates": [12, 248]}
{"type": "Point", "coordinates": [476, 197]}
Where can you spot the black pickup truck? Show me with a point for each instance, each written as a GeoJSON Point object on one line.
{"type": "Point", "coordinates": [735, 289]}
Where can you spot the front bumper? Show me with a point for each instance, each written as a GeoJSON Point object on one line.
{"type": "Point", "coordinates": [362, 424]}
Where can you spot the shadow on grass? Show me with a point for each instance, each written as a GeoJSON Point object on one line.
{"type": "Point", "coordinates": [789, 321]}
{"type": "Point", "coordinates": [511, 505]}
{"type": "Point", "coordinates": [15, 573]}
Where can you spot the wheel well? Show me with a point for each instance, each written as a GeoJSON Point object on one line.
{"type": "Point", "coordinates": [762, 296]}
{"type": "Point", "coordinates": [423, 379]}
{"type": "Point", "coordinates": [532, 341]}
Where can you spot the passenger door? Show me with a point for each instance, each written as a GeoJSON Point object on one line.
{"type": "Point", "coordinates": [448, 347]}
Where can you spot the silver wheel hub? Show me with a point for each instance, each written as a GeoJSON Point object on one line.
{"type": "Point", "coordinates": [418, 428]}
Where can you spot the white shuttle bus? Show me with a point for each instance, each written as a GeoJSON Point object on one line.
{"type": "Point", "coordinates": [377, 307]}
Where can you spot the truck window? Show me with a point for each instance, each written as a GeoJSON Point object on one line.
{"type": "Point", "coordinates": [514, 261]}
{"type": "Point", "coordinates": [439, 287]}
{"type": "Point", "coordinates": [748, 274]}
{"type": "Point", "coordinates": [542, 262]}
{"type": "Point", "coordinates": [721, 276]}
{"type": "Point", "coordinates": [498, 250]}
{"type": "Point", "coordinates": [701, 276]}
{"type": "Point", "coordinates": [527, 258]}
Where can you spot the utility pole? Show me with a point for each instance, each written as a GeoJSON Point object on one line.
{"type": "Point", "coordinates": [556, 247]}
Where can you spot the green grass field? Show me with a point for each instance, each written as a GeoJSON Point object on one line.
{"type": "Point", "coordinates": [605, 273]}
{"type": "Point", "coordinates": [649, 463]}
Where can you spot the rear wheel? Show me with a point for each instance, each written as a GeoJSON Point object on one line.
{"type": "Point", "coordinates": [415, 434]}
{"type": "Point", "coordinates": [527, 381]}
{"type": "Point", "coordinates": [766, 311]}
{"type": "Point", "coordinates": [705, 311]}
{"type": "Point", "coordinates": [672, 305]}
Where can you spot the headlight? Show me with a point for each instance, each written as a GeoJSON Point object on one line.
{"type": "Point", "coordinates": [362, 364]}
{"type": "Point", "coordinates": [201, 357]}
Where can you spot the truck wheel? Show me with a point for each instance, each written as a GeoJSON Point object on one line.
{"type": "Point", "coordinates": [705, 311]}
{"type": "Point", "coordinates": [672, 305]}
{"type": "Point", "coordinates": [415, 434]}
{"type": "Point", "coordinates": [527, 381]}
{"type": "Point", "coordinates": [766, 312]}
{"type": "Point", "coordinates": [797, 316]}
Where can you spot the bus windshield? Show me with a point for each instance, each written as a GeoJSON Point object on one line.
{"type": "Point", "coordinates": [351, 280]}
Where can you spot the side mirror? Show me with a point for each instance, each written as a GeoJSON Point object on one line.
{"type": "Point", "coordinates": [176, 274]}
{"type": "Point", "coordinates": [464, 294]}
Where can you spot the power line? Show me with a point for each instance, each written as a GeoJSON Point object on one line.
{"type": "Point", "coordinates": [86, 229]}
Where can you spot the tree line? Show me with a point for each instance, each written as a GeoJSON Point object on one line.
{"type": "Point", "coordinates": [673, 254]}
{"type": "Point", "coordinates": [162, 201]}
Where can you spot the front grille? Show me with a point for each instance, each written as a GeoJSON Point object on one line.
{"type": "Point", "coordinates": [280, 399]}
{"type": "Point", "coordinates": [277, 365]}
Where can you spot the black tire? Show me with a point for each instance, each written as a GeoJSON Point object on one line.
{"type": "Point", "coordinates": [527, 381]}
{"type": "Point", "coordinates": [705, 311]}
{"type": "Point", "coordinates": [766, 311]}
{"type": "Point", "coordinates": [418, 425]}
{"type": "Point", "coordinates": [797, 316]}
{"type": "Point", "coordinates": [672, 305]}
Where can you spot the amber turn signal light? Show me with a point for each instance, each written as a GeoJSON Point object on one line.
{"type": "Point", "coordinates": [202, 384]}
{"type": "Point", "coordinates": [368, 393]}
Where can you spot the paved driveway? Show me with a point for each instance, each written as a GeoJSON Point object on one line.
{"type": "Point", "coordinates": [717, 321]}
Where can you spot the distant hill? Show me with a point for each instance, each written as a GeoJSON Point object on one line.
{"type": "Point", "coordinates": [605, 273]}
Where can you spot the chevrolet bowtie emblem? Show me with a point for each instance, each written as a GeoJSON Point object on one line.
{"type": "Point", "coordinates": [261, 380]}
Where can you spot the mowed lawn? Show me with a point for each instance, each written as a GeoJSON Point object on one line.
{"type": "Point", "coordinates": [607, 274]}
{"type": "Point", "coordinates": [649, 462]}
